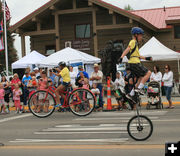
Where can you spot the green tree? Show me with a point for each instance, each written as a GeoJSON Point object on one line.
{"type": "Point", "coordinates": [12, 53]}
{"type": "Point", "coordinates": [128, 7]}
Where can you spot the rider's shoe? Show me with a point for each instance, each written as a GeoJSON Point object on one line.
{"type": "Point", "coordinates": [59, 105]}
{"type": "Point", "coordinates": [140, 91]}
{"type": "Point", "coordinates": [129, 97]}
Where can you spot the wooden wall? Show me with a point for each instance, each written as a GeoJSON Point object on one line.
{"type": "Point", "coordinates": [167, 38]}
{"type": "Point", "coordinates": [67, 28]}
{"type": "Point", "coordinates": [39, 43]}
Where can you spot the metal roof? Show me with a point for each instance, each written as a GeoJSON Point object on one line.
{"type": "Point", "coordinates": [158, 17]}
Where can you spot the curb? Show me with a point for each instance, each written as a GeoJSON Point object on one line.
{"type": "Point", "coordinates": [105, 105]}
{"type": "Point", "coordinates": [1, 144]}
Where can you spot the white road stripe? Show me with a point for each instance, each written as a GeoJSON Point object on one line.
{"type": "Point", "coordinates": [70, 133]}
{"type": "Point", "coordinates": [167, 120]}
{"type": "Point", "coordinates": [121, 119]}
{"type": "Point", "coordinates": [15, 117]}
{"type": "Point", "coordinates": [72, 140]}
{"type": "Point", "coordinates": [144, 112]}
{"type": "Point", "coordinates": [85, 129]}
{"type": "Point", "coordinates": [66, 126]}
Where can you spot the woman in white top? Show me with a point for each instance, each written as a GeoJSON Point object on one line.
{"type": "Point", "coordinates": [168, 84]}
{"type": "Point", "coordinates": [73, 75]}
{"type": "Point", "coordinates": [156, 75]}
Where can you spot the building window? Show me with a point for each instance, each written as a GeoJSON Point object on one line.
{"type": "Point", "coordinates": [83, 31]}
{"type": "Point", "coordinates": [177, 31]}
{"type": "Point", "coordinates": [81, 3]}
{"type": "Point", "coordinates": [50, 49]}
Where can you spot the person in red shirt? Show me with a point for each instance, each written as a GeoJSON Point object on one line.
{"type": "Point", "coordinates": [14, 81]}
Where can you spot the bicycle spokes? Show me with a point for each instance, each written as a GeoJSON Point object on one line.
{"type": "Point", "coordinates": [42, 104]}
{"type": "Point", "coordinates": [81, 102]}
{"type": "Point", "coordinates": [140, 128]}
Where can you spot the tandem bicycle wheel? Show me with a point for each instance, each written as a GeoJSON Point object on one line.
{"type": "Point", "coordinates": [81, 102]}
{"type": "Point", "coordinates": [140, 128]}
{"type": "Point", "coordinates": [41, 104]}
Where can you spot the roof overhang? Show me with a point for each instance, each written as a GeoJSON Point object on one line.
{"type": "Point", "coordinates": [33, 15]}
{"type": "Point", "coordinates": [125, 13]}
{"type": "Point", "coordinates": [96, 2]}
{"type": "Point", "coordinates": [173, 19]}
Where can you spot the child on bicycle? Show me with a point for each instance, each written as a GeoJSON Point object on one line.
{"type": "Point", "coordinates": [65, 75]}
{"type": "Point", "coordinates": [141, 72]}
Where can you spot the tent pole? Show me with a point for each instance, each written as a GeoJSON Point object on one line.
{"type": "Point", "coordinates": [178, 70]}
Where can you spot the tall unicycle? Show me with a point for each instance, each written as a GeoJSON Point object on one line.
{"type": "Point", "coordinates": [81, 102]}
{"type": "Point", "coordinates": [140, 127]}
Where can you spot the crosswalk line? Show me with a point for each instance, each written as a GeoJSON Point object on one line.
{"type": "Point", "coordinates": [121, 119]}
{"type": "Point", "coordinates": [109, 140]}
{"type": "Point", "coordinates": [86, 129]}
{"type": "Point", "coordinates": [131, 113]}
{"type": "Point", "coordinates": [71, 133]}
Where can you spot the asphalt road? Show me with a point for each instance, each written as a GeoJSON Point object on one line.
{"type": "Point", "coordinates": [101, 133]}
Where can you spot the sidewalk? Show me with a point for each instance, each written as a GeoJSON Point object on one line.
{"type": "Point", "coordinates": [175, 99]}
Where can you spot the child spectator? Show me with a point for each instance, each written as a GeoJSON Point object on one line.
{"type": "Point", "coordinates": [96, 92]}
{"type": "Point", "coordinates": [42, 85]}
{"type": "Point", "coordinates": [16, 97]}
{"type": "Point", "coordinates": [32, 86]}
{"type": "Point", "coordinates": [86, 83]}
{"type": "Point", "coordinates": [2, 94]}
{"type": "Point", "coordinates": [119, 85]}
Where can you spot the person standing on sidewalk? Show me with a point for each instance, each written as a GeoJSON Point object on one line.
{"type": "Point", "coordinates": [16, 97]}
{"type": "Point", "coordinates": [73, 76]}
{"type": "Point", "coordinates": [156, 75]}
{"type": "Point", "coordinates": [168, 84]}
{"type": "Point", "coordinates": [7, 91]}
{"type": "Point", "coordinates": [25, 82]}
{"type": "Point", "coordinates": [97, 77]}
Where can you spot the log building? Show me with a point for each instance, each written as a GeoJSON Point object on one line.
{"type": "Point", "coordinates": [88, 25]}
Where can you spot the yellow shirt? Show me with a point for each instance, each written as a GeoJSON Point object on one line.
{"type": "Point", "coordinates": [132, 44]}
{"type": "Point", "coordinates": [65, 75]}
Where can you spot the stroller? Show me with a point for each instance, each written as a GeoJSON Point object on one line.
{"type": "Point", "coordinates": [153, 93]}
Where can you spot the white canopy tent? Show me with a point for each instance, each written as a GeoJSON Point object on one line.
{"type": "Point", "coordinates": [69, 56]}
{"type": "Point", "coordinates": [27, 61]}
{"type": "Point", "coordinates": [159, 52]}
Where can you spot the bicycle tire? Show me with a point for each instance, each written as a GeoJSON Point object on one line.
{"type": "Point", "coordinates": [81, 105]}
{"type": "Point", "coordinates": [35, 95]}
{"type": "Point", "coordinates": [131, 133]}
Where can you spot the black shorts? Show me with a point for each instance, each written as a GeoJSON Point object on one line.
{"type": "Point", "coordinates": [138, 69]}
{"type": "Point", "coordinates": [66, 84]}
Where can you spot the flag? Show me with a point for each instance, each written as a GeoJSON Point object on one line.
{"type": "Point", "coordinates": [8, 16]}
{"type": "Point", "coordinates": [1, 37]}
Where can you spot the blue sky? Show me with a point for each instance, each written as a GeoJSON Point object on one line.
{"type": "Point", "coordinates": [21, 8]}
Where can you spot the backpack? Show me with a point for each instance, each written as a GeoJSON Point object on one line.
{"type": "Point", "coordinates": [130, 53]}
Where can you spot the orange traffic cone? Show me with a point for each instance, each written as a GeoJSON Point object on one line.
{"type": "Point", "coordinates": [109, 104]}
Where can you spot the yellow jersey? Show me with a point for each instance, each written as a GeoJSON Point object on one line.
{"type": "Point", "coordinates": [135, 57]}
{"type": "Point", "coordinates": [65, 75]}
